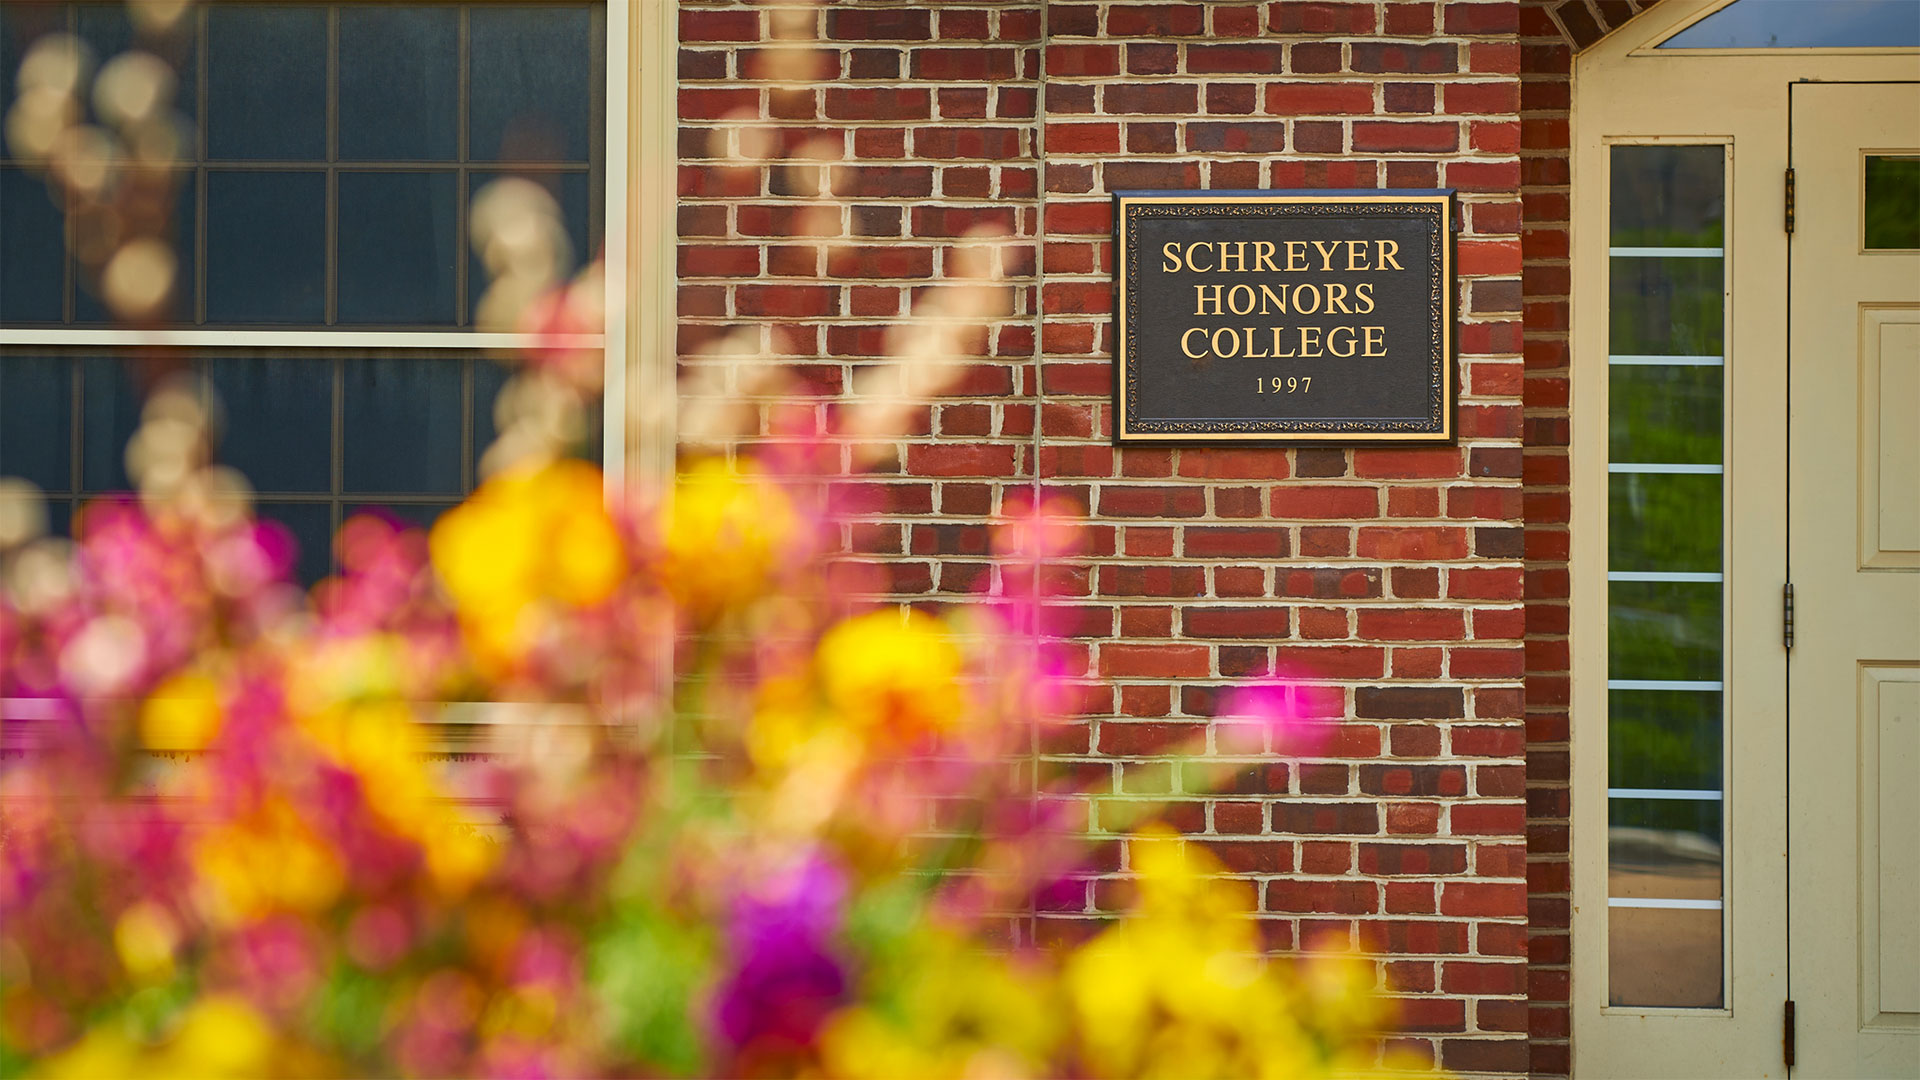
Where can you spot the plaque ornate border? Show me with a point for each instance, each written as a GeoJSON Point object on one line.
{"type": "Point", "coordinates": [1437, 206]}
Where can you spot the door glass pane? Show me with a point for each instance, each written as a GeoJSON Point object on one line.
{"type": "Point", "coordinates": [1892, 197]}
{"type": "Point", "coordinates": [396, 247]}
{"type": "Point", "coordinates": [266, 82]}
{"type": "Point", "coordinates": [532, 88]}
{"type": "Point", "coordinates": [1665, 560]}
{"type": "Point", "coordinates": [1804, 24]}
{"type": "Point", "coordinates": [399, 83]}
{"type": "Point", "coordinates": [266, 247]}
{"type": "Point", "coordinates": [402, 430]}
{"type": "Point", "coordinates": [278, 427]}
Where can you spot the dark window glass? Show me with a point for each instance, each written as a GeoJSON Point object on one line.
{"type": "Point", "coordinates": [34, 249]}
{"type": "Point", "coordinates": [409, 515]}
{"type": "Point", "coordinates": [36, 421]}
{"type": "Point", "coordinates": [1892, 203]}
{"type": "Point", "coordinates": [1664, 412]}
{"type": "Point", "coordinates": [399, 83]}
{"type": "Point", "coordinates": [571, 190]}
{"type": "Point", "coordinates": [266, 247]}
{"type": "Point", "coordinates": [266, 82]}
{"type": "Point", "coordinates": [1670, 196]}
{"type": "Point", "coordinates": [311, 524]}
{"type": "Point", "coordinates": [525, 106]}
{"type": "Point", "coordinates": [1804, 24]}
{"type": "Point", "coordinates": [90, 309]}
{"type": "Point", "coordinates": [1664, 739]}
{"type": "Point", "coordinates": [489, 378]}
{"type": "Point", "coordinates": [396, 247]}
{"type": "Point", "coordinates": [109, 413]}
{"type": "Point", "coordinates": [402, 421]}
{"type": "Point", "coordinates": [278, 421]}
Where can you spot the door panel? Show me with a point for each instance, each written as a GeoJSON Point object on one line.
{"type": "Point", "coordinates": [1854, 558]}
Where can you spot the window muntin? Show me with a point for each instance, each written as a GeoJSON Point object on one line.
{"type": "Point", "coordinates": [1665, 568]}
{"type": "Point", "coordinates": [1805, 24]}
{"type": "Point", "coordinates": [277, 296]}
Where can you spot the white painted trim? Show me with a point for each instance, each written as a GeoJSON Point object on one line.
{"type": "Point", "coordinates": [1687, 794]}
{"type": "Point", "coordinates": [613, 400]}
{"type": "Point", "coordinates": [1657, 902]}
{"type": "Point", "coordinates": [1666, 252]}
{"type": "Point", "coordinates": [1646, 360]}
{"type": "Point", "coordinates": [1663, 467]}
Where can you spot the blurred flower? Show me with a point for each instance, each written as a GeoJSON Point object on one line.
{"type": "Point", "coordinates": [528, 546]}
{"type": "Point", "coordinates": [892, 677]}
{"type": "Point", "coordinates": [728, 537]}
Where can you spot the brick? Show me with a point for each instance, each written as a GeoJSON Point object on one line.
{"type": "Point", "coordinates": [1353, 818]}
{"type": "Point", "coordinates": [1153, 661]}
{"type": "Point", "coordinates": [879, 24]}
{"type": "Point", "coordinates": [1203, 542]}
{"type": "Point", "coordinates": [1236, 622]}
{"type": "Point", "coordinates": [1383, 57]}
{"type": "Point", "coordinates": [1413, 137]}
{"type": "Point", "coordinates": [1409, 702]}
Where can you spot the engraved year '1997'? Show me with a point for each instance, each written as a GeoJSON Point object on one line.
{"type": "Point", "coordinates": [1283, 385]}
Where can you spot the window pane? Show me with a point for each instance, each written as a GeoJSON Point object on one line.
{"type": "Point", "coordinates": [312, 527]}
{"type": "Point", "coordinates": [1665, 957]}
{"type": "Point", "coordinates": [36, 420]}
{"type": "Point", "coordinates": [1663, 630]}
{"type": "Point", "coordinates": [1798, 24]}
{"type": "Point", "coordinates": [108, 31]}
{"type": "Point", "coordinates": [402, 425]}
{"type": "Point", "coordinates": [489, 378]}
{"type": "Point", "coordinates": [88, 308]}
{"type": "Point", "coordinates": [1664, 412]}
{"type": "Point", "coordinates": [1665, 306]}
{"type": "Point", "coordinates": [109, 412]}
{"type": "Point", "coordinates": [399, 83]}
{"type": "Point", "coordinates": [531, 83]}
{"type": "Point", "coordinates": [279, 421]}
{"type": "Point", "coordinates": [266, 247]}
{"type": "Point", "coordinates": [571, 191]}
{"type": "Point", "coordinates": [406, 515]}
{"type": "Point", "coordinates": [1668, 196]}
{"type": "Point", "coordinates": [1892, 202]}
{"type": "Point", "coordinates": [1664, 739]}
{"type": "Point", "coordinates": [266, 82]}
{"type": "Point", "coordinates": [1663, 522]}
{"type": "Point", "coordinates": [396, 247]}
{"type": "Point", "coordinates": [32, 271]}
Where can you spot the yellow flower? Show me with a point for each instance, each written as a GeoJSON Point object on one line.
{"type": "Point", "coordinates": [1180, 989]}
{"type": "Point", "coordinates": [528, 540]}
{"type": "Point", "coordinates": [892, 679]}
{"type": "Point", "coordinates": [268, 861]}
{"type": "Point", "coordinates": [950, 1010]}
{"type": "Point", "coordinates": [182, 713]}
{"type": "Point", "coordinates": [145, 935]}
{"type": "Point", "coordinates": [727, 534]}
{"type": "Point", "coordinates": [217, 1037]}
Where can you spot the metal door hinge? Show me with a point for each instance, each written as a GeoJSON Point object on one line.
{"type": "Point", "coordinates": [1789, 200]}
{"type": "Point", "coordinates": [1786, 615]}
{"type": "Point", "coordinates": [1786, 1034]}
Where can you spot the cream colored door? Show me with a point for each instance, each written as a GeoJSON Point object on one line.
{"type": "Point", "coordinates": [1853, 709]}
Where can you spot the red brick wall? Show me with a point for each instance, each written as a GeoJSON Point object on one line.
{"type": "Point", "coordinates": [1551, 32]}
{"type": "Point", "coordinates": [1393, 580]}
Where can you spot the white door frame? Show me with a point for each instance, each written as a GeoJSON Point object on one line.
{"type": "Point", "coordinates": [1627, 92]}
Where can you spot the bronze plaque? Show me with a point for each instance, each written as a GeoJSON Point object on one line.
{"type": "Point", "coordinates": [1283, 316]}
